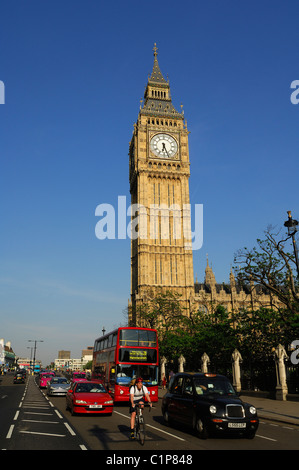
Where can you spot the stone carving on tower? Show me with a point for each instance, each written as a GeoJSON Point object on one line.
{"type": "Point", "coordinates": [159, 171]}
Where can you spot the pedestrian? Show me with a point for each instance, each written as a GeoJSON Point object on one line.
{"type": "Point", "coordinates": [164, 382]}
{"type": "Point", "coordinates": [171, 375]}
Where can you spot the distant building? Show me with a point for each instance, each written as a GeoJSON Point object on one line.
{"type": "Point", "coordinates": [87, 354]}
{"type": "Point", "coordinates": [74, 364]}
{"type": "Point", "coordinates": [7, 355]}
{"type": "Point", "coordinates": [64, 354]}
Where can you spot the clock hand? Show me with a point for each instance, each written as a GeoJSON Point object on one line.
{"type": "Point", "coordinates": [164, 148]}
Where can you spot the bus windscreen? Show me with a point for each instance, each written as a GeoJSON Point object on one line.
{"type": "Point", "coordinates": [138, 338]}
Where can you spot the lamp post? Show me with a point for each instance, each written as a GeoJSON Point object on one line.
{"type": "Point", "coordinates": [30, 363]}
{"type": "Point", "coordinates": [291, 224]}
{"type": "Point", "coordinates": [34, 341]}
{"type": "Point", "coordinates": [103, 330]}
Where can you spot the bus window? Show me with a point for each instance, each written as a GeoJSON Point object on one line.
{"type": "Point", "coordinates": [127, 373]}
{"type": "Point", "coordinates": [114, 339]}
{"type": "Point", "coordinates": [137, 338]}
{"type": "Point", "coordinates": [147, 338]}
{"type": "Point", "coordinates": [128, 338]}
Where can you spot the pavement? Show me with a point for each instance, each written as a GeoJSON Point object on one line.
{"type": "Point", "coordinates": [286, 412]}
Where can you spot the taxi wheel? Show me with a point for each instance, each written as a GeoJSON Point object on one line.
{"type": "Point", "coordinates": [201, 429]}
{"type": "Point", "coordinates": [166, 417]}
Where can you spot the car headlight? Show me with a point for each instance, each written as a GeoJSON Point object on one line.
{"type": "Point", "coordinates": [252, 410]}
{"type": "Point", "coordinates": [80, 402]}
{"type": "Point", "coordinates": [109, 402]}
{"type": "Point", "coordinates": [213, 409]}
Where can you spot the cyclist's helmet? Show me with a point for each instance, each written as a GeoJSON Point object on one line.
{"type": "Point", "coordinates": [139, 379]}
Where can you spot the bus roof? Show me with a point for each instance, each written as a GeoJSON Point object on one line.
{"type": "Point", "coordinates": [123, 328]}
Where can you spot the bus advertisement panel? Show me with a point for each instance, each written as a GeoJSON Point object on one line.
{"type": "Point", "coordinates": [123, 355]}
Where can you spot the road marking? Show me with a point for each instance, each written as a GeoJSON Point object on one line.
{"type": "Point", "coordinates": [264, 437]}
{"type": "Point", "coordinates": [16, 415]}
{"type": "Point", "coordinates": [39, 421]}
{"type": "Point", "coordinates": [68, 427]}
{"type": "Point", "coordinates": [58, 414]}
{"type": "Point", "coordinates": [82, 447]}
{"type": "Point", "coordinates": [33, 413]}
{"type": "Point", "coordinates": [43, 433]}
{"type": "Point", "coordinates": [169, 434]}
{"type": "Point", "coordinates": [8, 436]}
{"type": "Point", "coordinates": [157, 429]}
{"type": "Point", "coordinates": [35, 406]}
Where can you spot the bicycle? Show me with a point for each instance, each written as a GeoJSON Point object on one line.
{"type": "Point", "coordinates": [139, 428]}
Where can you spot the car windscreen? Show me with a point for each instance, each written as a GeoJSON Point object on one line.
{"type": "Point", "coordinates": [59, 380]}
{"type": "Point", "coordinates": [206, 386]}
{"type": "Point", "coordinates": [90, 388]}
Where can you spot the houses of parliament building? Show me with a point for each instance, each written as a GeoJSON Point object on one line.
{"type": "Point", "coordinates": [159, 171]}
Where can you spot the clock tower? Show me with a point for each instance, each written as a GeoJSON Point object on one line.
{"type": "Point", "coordinates": [159, 171]}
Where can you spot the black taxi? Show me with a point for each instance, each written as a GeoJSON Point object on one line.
{"type": "Point", "coordinates": [208, 403]}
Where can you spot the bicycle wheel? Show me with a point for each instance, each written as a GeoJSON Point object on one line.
{"type": "Point", "coordinates": [141, 431]}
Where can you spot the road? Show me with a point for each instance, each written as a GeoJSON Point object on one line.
{"type": "Point", "coordinates": [31, 420]}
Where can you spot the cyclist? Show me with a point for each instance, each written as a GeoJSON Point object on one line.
{"type": "Point", "coordinates": [137, 394]}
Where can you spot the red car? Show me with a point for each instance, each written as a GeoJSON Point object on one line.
{"type": "Point", "coordinates": [44, 378]}
{"type": "Point", "coordinates": [78, 376]}
{"type": "Point", "coordinates": [88, 397]}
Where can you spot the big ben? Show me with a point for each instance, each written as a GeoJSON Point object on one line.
{"type": "Point", "coordinates": [159, 171]}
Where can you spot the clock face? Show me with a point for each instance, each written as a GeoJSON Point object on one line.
{"type": "Point", "coordinates": [164, 146]}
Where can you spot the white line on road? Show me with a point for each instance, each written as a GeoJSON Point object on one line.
{"type": "Point", "coordinates": [68, 427]}
{"type": "Point", "coordinates": [8, 436]}
{"type": "Point", "coordinates": [16, 416]}
{"type": "Point", "coordinates": [40, 421]}
{"type": "Point", "coordinates": [58, 414]}
{"type": "Point", "coordinates": [43, 433]}
{"type": "Point", "coordinates": [264, 437]}
{"type": "Point", "coordinates": [157, 429]}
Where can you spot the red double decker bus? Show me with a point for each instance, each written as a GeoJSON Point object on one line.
{"type": "Point", "coordinates": [123, 355]}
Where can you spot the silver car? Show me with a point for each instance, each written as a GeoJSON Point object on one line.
{"type": "Point", "coordinates": [58, 386]}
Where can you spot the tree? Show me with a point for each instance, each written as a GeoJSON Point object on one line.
{"type": "Point", "coordinates": [164, 313]}
{"type": "Point", "coordinates": [271, 266]}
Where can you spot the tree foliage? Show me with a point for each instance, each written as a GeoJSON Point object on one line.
{"type": "Point", "coordinates": [271, 266]}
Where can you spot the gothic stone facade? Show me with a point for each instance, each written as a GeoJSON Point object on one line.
{"type": "Point", "coordinates": [159, 171]}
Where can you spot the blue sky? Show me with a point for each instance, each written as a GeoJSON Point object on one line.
{"type": "Point", "coordinates": [74, 73]}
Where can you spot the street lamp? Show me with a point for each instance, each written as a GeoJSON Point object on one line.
{"type": "Point", "coordinates": [30, 363]}
{"type": "Point", "coordinates": [291, 224]}
{"type": "Point", "coordinates": [103, 330]}
{"type": "Point", "coordinates": [35, 341]}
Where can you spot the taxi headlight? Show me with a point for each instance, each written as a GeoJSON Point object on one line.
{"type": "Point", "coordinates": [78, 402]}
{"type": "Point", "coordinates": [252, 410]}
{"type": "Point", "coordinates": [109, 402]}
{"type": "Point", "coordinates": [213, 409]}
